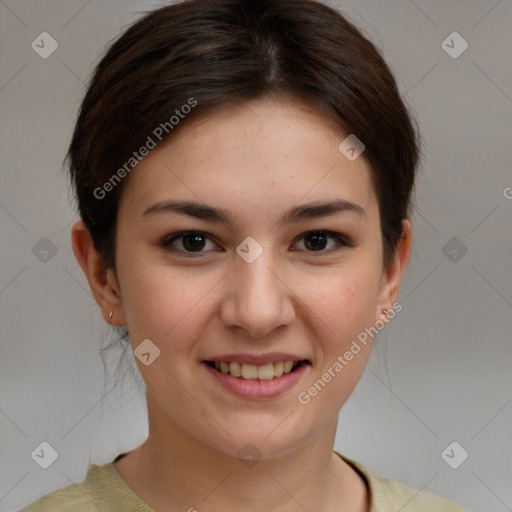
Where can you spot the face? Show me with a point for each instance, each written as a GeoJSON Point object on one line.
{"type": "Point", "coordinates": [264, 274]}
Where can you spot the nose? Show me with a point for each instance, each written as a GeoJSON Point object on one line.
{"type": "Point", "coordinates": [257, 299]}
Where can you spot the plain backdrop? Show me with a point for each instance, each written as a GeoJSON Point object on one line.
{"type": "Point", "coordinates": [439, 373]}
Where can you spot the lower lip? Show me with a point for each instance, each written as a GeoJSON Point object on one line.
{"type": "Point", "coordinates": [258, 388]}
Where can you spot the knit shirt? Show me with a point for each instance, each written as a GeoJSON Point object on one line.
{"type": "Point", "coordinates": [104, 489]}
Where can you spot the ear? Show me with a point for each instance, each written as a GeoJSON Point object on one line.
{"type": "Point", "coordinates": [392, 276]}
{"type": "Point", "coordinates": [102, 281]}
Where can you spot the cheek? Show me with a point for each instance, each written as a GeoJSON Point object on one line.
{"type": "Point", "coordinates": [165, 303]}
{"type": "Point", "coordinates": [343, 308]}
{"type": "Point", "coordinates": [161, 305]}
{"type": "Point", "coordinates": [344, 302]}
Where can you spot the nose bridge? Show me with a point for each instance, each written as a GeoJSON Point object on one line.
{"type": "Point", "coordinates": [257, 299]}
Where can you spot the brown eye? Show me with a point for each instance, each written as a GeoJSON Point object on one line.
{"type": "Point", "coordinates": [189, 242]}
{"type": "Point", "coordinates": [193, 242]}
{"type": "Point", "coordinates": [317, 241]}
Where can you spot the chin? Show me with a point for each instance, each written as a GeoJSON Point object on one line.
{"type": "Point", "coordinates": [269, 439]}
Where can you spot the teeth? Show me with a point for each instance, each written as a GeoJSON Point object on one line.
{"type": "Point", "coordinates": [267, 371]}
{"type": "Point", "coordinates": [235, 369]}
{"type": "Point", "coordinates": [249, 371]}
{"type": "Point", "coordinates": [278, 369]}
{"type": "Point", "coordinates": [288, 366]}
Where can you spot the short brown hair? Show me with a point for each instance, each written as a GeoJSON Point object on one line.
{"type": "Point", "coordinates": [225, 52]}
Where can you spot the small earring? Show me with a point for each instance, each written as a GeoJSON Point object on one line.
{"type": "Point", "coordinates": [110, 317]}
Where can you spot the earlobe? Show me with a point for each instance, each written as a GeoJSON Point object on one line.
{"type": "Point", "coordinates": [392, 276]}
{"type": "Point", "coordinates": [101, 280]}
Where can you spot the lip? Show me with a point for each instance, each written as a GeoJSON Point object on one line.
{"type": "Point", "coordinates": [271, 357]}
{"type": "Point", "coordinates": [258, 389]}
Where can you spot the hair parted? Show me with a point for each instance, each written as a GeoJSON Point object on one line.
{"type": "Point", "coordinates": [226, 52]}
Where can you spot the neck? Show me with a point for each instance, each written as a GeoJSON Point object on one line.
{"type": "Point", "coordinates": [173, 469]}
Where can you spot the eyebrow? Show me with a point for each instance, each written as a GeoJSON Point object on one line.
{"type": "Point", "coordinates": [295, 214]}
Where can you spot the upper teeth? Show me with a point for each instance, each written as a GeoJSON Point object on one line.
{"type": "Point", "coordinates": [252, 371]}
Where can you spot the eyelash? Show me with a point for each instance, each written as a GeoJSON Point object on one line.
{"type": "Point", "coordinates": [341, 241]}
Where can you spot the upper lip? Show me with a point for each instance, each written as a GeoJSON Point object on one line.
{"type": "Point", "coordinates": [272, 357]}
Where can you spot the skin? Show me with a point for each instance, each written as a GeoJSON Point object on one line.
{"type": "Point", "coordinates": [256, 160]}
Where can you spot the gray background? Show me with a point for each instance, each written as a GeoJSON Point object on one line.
{"type": "Point", "coordinates": [440, 372]}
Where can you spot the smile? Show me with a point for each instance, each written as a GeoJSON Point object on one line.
{"type": "Point", "coordinates": [267, 371]}
{"type": "Point", "coordinates": [257, 381]}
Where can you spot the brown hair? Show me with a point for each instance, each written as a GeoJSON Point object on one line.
{"type": "Point", "coordinates": [222, 52]}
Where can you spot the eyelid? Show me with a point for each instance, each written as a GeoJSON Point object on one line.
{"type": "Point", "coordinates": [167, 241]}
{"type": "Point", "coordinates": [343, 241]}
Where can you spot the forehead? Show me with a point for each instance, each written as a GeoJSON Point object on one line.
{"type": "Point", "coordinates": [265, 152]}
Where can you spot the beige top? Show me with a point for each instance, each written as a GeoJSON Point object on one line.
{"type": "Point", "coordinates": [104, 489]}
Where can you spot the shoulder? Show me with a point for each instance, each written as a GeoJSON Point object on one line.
{"type": "Point", "coordinates": [74, 497]}
{"type": "Point", "coordinates": [102, 490]}
{"type": "Point", "coordinates": [390, 495]}
{"type": "Point", "coordinates": [86, 496]}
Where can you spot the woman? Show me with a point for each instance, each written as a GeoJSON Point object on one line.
{"type": "Point", "coordinates": [243, 173]}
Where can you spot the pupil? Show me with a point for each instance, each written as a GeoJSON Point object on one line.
{"type": "Point", "coordinates": [197, 242]}
{"type": "Point", "coordinates": [317, 238]}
